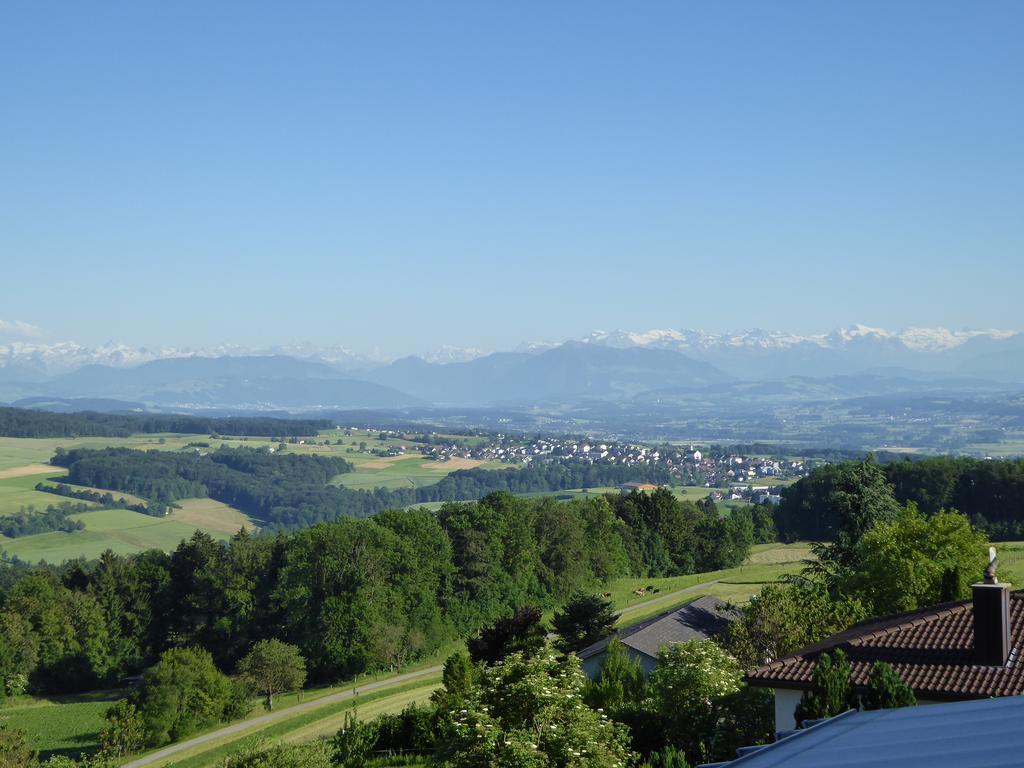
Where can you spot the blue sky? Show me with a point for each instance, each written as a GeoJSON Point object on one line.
{"type": "Point", "coordinates": [404, 175]}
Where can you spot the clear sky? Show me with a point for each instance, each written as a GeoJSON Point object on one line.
{"type": "Point", "coordinates": [407, 174]}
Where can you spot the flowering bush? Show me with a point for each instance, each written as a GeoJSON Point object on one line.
{"type": "Point", "coordinates": [691, 689]}
{"type": "Point", "coordinates": [528, 712]}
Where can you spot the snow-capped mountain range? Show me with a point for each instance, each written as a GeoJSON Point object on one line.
{"type": "Point", "coordinates": [752, 353]}
{"type": "Point", "coordinates": [913, 339]}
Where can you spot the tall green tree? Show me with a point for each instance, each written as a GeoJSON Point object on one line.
{"type": "Point", "coordinates": [837, 503]}
{"type": "Point", "coordinates": [458, 676]}
{"type": "Point", "coordinates": [14, 749]}
{"type": "Point", "coordinates": [620, 684]}
{"type": "Point", "coordinates": [124, 732]}
{"type": "Point", "coordinates": [689, 690]}
{"type": "Point", "coordinates": [583, 620]}
{"type": "Point", "coordinates": [785, 618]}
{"type": "Point", "coordinates": [19, 653]}
{"type": "Point", "coordinates": [522, 632]}
{"type": "Point", "coordinates": [914, 561]}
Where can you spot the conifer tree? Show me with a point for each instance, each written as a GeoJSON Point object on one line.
{"type": "Point", "coordinates": [830, 692]}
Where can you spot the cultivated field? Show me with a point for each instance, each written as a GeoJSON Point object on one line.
{"type": "Point", "coordinates": [210, 515]}
{"type": "Point", "coordinates": [23, 465]}
{"type": "Point", "coordinates": [64, 725]}
{"type": "Point", "coordinates": [405, 471]}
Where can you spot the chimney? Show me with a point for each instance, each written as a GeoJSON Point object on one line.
{"type": "Point", "coordinates": [991, 618]}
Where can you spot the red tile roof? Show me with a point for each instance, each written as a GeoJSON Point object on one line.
{"type": "Point", "coordinates": [932, 651]}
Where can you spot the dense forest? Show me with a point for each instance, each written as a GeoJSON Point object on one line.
{"type": "Point", "coordinates": [353, 595]}
{"type": "Point", "coordinates": [20, 422]}
{"type": "Point", "coordinates": [990, 493]}
{"type": "Point", "coordinates": [286, 490]}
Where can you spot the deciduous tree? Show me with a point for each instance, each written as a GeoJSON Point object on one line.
{"type": "Point", "coordinates": [273, 667]}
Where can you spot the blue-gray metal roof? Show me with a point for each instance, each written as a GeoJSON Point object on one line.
{"type": "Point", "coordinates": [985, 733]}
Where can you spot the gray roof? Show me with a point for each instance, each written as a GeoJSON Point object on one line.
{"type": "Point", "coordinates": [699, 620]}
{"type": "Point", "coordinates": [984, 733]}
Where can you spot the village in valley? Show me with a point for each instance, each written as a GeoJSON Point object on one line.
{"type": "Point", "coordinates": [727, 475]}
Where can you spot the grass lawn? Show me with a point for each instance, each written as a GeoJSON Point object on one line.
{"type": "Point", "coordinates": [367, 710]}
{"type": "Point", "coordinates": [1011, 562]}
{"type": "Point", "coordinates": [61, 725]}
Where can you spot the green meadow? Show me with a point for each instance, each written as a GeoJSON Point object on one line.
{"type": "Point", "coordinates": [18, 492]}
{"type": "Point", "coordinates": [120, 530]}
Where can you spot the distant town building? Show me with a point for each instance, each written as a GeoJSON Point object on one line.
{"type": "Point", "coordinates": [630, 487]}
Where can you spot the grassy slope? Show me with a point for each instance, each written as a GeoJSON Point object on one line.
{"type": "Point", "coordinates": [120, 530]}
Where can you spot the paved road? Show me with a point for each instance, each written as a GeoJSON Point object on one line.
{"type": "Point", "coordinates": [245, 725]}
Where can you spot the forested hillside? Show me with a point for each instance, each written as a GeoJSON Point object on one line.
{"type": "Point", "coordinates": [353, 595]}
{"type": "Point", "coordinates": [19, 422]}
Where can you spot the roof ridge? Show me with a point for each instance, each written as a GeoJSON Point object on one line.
{"type": "Point", "coordinates": [879, 628]}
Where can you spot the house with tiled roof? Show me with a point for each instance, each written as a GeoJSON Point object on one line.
{"type": "Point", "coordinates": [949, 652]}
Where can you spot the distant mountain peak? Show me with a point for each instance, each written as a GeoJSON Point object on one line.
{"type": "Point", "coordinates": [447, 353]}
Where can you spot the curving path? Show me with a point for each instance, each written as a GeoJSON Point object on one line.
{"type": "Point", "coordinates": [280, 714]}
{"type": "Point", "coordinates": [270, 717]}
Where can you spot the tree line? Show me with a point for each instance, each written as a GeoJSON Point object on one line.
{"type": "Point", "coordinates": [22, 422]}
{"type": "Point", "coordinates": [28, 521]}
{"type": "Point", "coordinates": [989, 492]}
{"type": "Point", "coordinates": [105, 499]}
